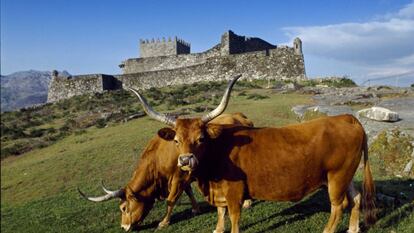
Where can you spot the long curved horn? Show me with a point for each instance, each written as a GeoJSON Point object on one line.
{"type": "Point", "coordinates": [105, 189]}
{"type": "Point", "coordinates": [223, 104]}
{"type": "Point", "coordinates": [118, 193]}
{"type": "Point", "coordinates": [151, 113]}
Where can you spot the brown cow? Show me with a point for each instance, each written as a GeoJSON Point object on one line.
{"type": "Point", "coordinates": [158, 177]}
{"type": "Point", "coordinates": [280, 164]}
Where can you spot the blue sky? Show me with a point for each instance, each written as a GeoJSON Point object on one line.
{"type": "Point", "coordinates": [363, 39]}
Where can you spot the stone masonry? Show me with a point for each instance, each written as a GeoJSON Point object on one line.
{"type": "Point", "coordinates": [169, 62]}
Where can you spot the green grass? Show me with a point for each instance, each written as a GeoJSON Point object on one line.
{"type": "Point", "coordinates": [38, 189]}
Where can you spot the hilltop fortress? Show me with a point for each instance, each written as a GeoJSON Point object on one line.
{"type": "Point", "coordinates": [164, 62]}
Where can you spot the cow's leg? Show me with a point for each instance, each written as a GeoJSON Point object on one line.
{"type": "Point", "coordinates": [337, 192]}
{"type": "Point", "coordinates": [175, 193]}
{"type": "Point", "coordinates": [354, 198]}
{"type": "Point", "coordinates": [234, 198]}
{"type": "Point", "coordinates": [194, 204]}
{"type": "Point", "coordinates": [234, 213]}
{"type": "Point", "coordinates": [221, 211]}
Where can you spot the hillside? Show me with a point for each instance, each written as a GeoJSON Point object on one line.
{"type": "Point", "coordinates": [38, 187]}
{"type": "Point", "coordinates": [24, 88]}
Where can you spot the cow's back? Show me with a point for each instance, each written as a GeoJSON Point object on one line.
{"type": "Point", "coordinates": [290, 161]}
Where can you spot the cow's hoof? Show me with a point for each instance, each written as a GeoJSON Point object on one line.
{"type": "Point", "coordinates": [195, 212]}
{"type": "Point", "coordinates": [355, 231]}
{"type": "Point", "coordinates": [216, 231]}
{"type": "Point", "coordinates": [163, 224]}
{"type": "Point", "coordinates": [247, 204]}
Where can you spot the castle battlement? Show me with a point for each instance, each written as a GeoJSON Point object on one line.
{"type": "Point", "coordinates": [164, 40]}
{"type": "Point", "coordinates": [163, 47]}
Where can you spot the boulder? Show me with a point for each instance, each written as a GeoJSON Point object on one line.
{"type": "Point", "coordinates": [379, 114]}
{"type": "Point", "coordinates": [291, 87]}
{"type": "Point", "coordinates": [408, 167]}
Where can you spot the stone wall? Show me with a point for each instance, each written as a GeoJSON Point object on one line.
{"type": "Point", "coordinates": [136, 65]}
{"type": "Point", "coordinates": [274, 64]}
{"type": "Point", "coordinates": [66, 87]}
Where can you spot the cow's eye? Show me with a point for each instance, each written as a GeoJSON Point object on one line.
{"type": "Point", "coordinates": [176, 142]}
{"type": "Point", "coordinates": [201, 140]}
{"type": "Point", "coordinates": [123, 209]}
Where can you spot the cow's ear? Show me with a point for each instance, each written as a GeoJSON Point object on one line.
{"type": "Point", "coordinates": [166, 134]}
{"type": "Point", "coordinates": [214, 130]}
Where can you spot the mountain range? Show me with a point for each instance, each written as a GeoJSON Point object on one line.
{"type": "Point", "coordinates": [25, 88]}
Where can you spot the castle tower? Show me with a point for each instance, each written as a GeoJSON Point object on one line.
{"type": "Point", "coordinates": [297, 46]}
{"type": "Point", "coordinates": [231, 43]}
{"type": "Point", "coordinates": [163, 47]}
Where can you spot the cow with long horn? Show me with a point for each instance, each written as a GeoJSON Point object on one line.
{"type": "Point", "coordinates": [158, 177]}
{"type": "Point", "coordinates": [189, 134]}
{"type": "Point", "coordinates": [278, 164]}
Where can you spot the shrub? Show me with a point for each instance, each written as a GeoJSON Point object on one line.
{"type": "Point", "coordinates": [312, 114]}
{"type": "Point", "coordinates": [34, 133]}
{"type": "Point", "coordinates": [242, 93]}
{"type": "Point", "coordinates": [100, 123]}
{"type": "Point", "coordinates": [392, 151]}
{"type": "Point", "coordinates": [256, 96]}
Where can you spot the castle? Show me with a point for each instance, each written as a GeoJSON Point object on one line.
{"type": "Point", "coordinates": [164, 62]}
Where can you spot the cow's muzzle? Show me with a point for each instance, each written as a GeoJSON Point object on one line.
{"type": "Point", "coordinates": [187, 162]}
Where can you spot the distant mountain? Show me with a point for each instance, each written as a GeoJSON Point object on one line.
{"type": "Point", "coordinates": [24, 89]}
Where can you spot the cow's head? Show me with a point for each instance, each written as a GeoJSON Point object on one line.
{"type": "Point", "coordinates": [134, 208]}
{"type": "Point", "coordinates": [189, 134]}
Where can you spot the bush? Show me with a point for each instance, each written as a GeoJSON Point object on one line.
{"type": "Point", "coordinates": [330, 82]}
{"type": "Point", "coordinates": [256, 96]}
{"type": "Point", "coordinates": [100, 123]}
{"type": "Point", "coordinates": [392, 151]}
{"type": "Point", "coordinates": [34, 133]}
{"type": "Point", "coordinates": [14, 149]}
{"type": "Point", "coordinates": [312, 114]}
{"type": "Point", "coordinates": [242, 93]}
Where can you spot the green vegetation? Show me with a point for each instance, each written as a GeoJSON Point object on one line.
{"type": "Point", "coordinates": [312, 114]}
{"type": "Point", "coordinates": [38, 189]}
{"type": "Point", "coordinates": [391, 151]}
{"type": "Point", "coordinates": [32, 128]}
{"type": "Point", "coordinates": [330, 82]}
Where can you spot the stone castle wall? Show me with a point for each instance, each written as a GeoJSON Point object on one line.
{"type": "Point", "coordinates": [275, 64]}
{"type": "Point", "coordinates": [64, 88]}
{"type": "Point", "coordinates": [252, 57]}
{"type": "Point", "coordinates": [137, 65]}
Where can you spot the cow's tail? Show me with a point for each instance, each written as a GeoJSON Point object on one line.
{"type": "Point", "coordinates": [368, 189]}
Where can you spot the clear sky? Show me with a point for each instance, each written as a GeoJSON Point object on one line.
{"type": "Point", "coordinates": [363, 39]}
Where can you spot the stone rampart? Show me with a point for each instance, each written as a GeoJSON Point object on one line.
{"type": "Point", "coordinates": [66, 87]}
{"type": "Point", "coordinates": [275, 64]}
{"type": "Point", "coordinates": [137, 65]}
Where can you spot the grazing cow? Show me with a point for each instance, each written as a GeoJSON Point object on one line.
{"type": "Point", "coordinates": [279, 164]}
{"type": "Point", "coordinates": [157, 177]}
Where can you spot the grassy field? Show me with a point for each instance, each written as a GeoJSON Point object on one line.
{"type": "Point", "coordinates": [38, 188]}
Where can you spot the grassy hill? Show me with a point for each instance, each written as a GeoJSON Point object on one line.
{"type": "Point", "coordinates": [38, 187]}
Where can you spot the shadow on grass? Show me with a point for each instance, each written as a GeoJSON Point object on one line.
{"type": "Point", "coordinates": [181, 216]}
{"type": "Point", "coordinates": [317, 202]}
{"type": "Point", "coordinates": [390, 213]}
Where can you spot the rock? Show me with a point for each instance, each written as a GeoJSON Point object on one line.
{"type": "Point", "coordinates": [408, 167]}
{"type": "Point", "coordinates": [291, 87]}
{"type": "Point", "coordinates": [379, 114]}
